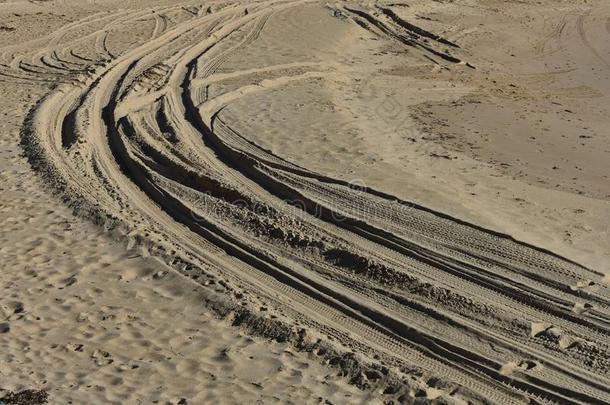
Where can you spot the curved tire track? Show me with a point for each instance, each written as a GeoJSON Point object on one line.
{"type": "Point", "coordinates": [138, 144]}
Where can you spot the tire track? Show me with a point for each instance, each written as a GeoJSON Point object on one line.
{"type": "Point", "coordinates": [580, 26]}
{"type": "Point", "coordinates": [139, 143]}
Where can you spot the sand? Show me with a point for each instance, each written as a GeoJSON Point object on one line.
{"type": "Point", "coordinates": [303, 201]}
{"type": "Point", "coordinates": [87, 321]}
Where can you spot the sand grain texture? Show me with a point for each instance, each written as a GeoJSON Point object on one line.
{"type": "Point", "coordinates": [340, 177]}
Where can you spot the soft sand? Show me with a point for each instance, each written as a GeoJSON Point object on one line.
{"type": "Point", "coordinates": [414, 193]}
{"type": "Point", "coordinates": [88, 321]}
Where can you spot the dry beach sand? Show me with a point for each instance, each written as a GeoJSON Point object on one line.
{"type": "Point", "coordinates": [302, 201]}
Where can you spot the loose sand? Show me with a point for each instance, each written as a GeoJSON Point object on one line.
{"type": "Point", "coordinates": [304, 201]}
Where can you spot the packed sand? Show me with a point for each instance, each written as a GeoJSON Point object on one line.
{"type": "Point", "coordinates": [305, 201]}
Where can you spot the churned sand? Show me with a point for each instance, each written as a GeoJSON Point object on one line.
{"type": "Point", "coordinates": [302, 201]}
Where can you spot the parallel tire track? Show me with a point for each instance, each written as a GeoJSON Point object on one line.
{"type": "Point", "coordinates": [135, 142]}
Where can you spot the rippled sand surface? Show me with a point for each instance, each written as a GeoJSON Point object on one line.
{"type": "Point", "coordinates": [304, 201]}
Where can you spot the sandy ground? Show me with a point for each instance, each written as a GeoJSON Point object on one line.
{"type": "Point", "coordinates": [518, 145]}
{"type": "Point", "coordinates": [389, 201]}
{"type": "Point", "coordinates": [87, 320]}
